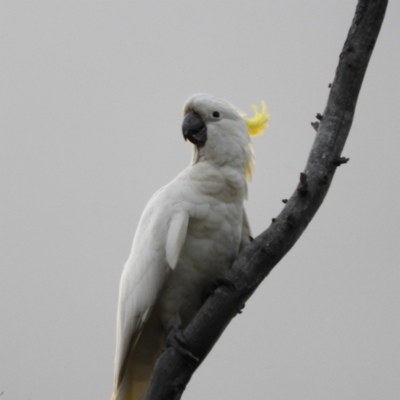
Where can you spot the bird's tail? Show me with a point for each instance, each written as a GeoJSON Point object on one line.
{"type": "Point", "coordinates": [136, 374]}
{"type": "Point", "coordinates": [132, 390]}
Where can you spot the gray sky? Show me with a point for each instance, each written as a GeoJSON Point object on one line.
{"type": "Point", "coordinates": [92, 95]}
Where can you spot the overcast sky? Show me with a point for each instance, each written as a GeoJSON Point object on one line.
{"type": "Point", "coordinates": [92, 95]}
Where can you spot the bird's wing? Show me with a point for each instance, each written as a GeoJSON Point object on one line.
{"type": "Point", "coordinates": [246, 232]}
{"type": "Point", "coordinates": [156, 248]}
{"type": "Point", "coordinates": [176, 237]}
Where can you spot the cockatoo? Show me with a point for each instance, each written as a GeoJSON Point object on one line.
{"type": "Point", "coordinates": [188, 236]}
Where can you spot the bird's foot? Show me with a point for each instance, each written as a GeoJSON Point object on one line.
{"type": "Point", "coordinates": [215, 284]}
{"type": "Point", "coordinates": [176, 339]}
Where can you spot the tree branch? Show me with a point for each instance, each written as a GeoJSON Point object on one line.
{"type": "Point", "coordinates": [173, 369]}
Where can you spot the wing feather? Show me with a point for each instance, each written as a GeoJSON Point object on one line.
{"type": "Point", "coordinates": [176, 237]}
{"type": "Point", "coordinates": [156, 249]}
{"type": "Point", "coordinates": [246, 232]}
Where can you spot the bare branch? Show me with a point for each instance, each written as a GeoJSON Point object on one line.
{"type": "Point", "coordinates": [173, 369]}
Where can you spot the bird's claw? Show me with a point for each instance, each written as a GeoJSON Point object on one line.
{"type": "Point", "coordinates": [215, 284]}
{"type": "Point", "coordinates": [223, 282]}
{"type": "Point", "coordinates": [176, 339]}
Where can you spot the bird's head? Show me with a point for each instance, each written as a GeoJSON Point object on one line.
{"type": "Point", "coordinates": [219, 131]}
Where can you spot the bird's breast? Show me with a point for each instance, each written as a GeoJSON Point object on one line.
{"type": "Point", "coordinates": [211, 245]}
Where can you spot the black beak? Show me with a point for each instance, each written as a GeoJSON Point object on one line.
{"type": "Point", "coordinates": [194, 129]}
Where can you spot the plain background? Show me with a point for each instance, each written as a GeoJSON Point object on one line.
{"type": "Point", "coordinates": [92, 95]}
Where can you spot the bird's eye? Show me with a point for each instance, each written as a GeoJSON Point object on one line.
{"type": "Point", "coordinates": [216, 114]}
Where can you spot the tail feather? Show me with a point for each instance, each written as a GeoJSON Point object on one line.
{"type": "Point", "coordinates": [132, 390]}
{"type": "Point", "coordinates": [135, 376]}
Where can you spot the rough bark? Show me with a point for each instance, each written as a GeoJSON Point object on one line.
{"type": "Point", "coordinates": [174, 369]}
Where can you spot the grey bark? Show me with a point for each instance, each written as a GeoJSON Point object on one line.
{"type": "Point", "coordinates": [174, 369]}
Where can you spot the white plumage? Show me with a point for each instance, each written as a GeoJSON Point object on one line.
{"type": "Point", "coordinates": [189, 234]}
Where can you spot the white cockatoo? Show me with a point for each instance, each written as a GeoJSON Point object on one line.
{"type": "Point", "coordinates": [188, 236]}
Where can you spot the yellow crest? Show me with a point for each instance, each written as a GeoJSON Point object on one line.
{"type": "Point", "coordinates": [258, 123]}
